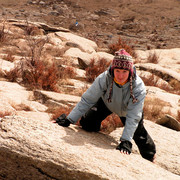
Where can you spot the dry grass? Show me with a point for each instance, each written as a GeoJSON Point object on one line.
{"type": "Point", "coordinates": [152, 80]}
{"type": "Point", "coordinates": [56, 51]}
{"type": "Point", "coordinates": [33, 30]}
{"type": "Point", "coordinates": [154, 108]}
{"type": "Point", "coordinates": [79, 91]}
{"type": "Point", "coordinates": [176, 86]}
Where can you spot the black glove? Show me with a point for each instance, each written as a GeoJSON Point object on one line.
{"type": "Point", "coordinates": [125, 147]}
{"type": "Point", "coordinates": [63, 121]}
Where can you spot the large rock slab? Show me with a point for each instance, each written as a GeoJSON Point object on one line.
{"type": "Point", "coordinates": [169, 121]}
{"type": "Point", "coordinates": [32, 149]}
{"type": "Point", "coordinates": [85, 44]}
{"type": "Point", "coordinates": [168, 58]}
{"type": "Point", "coordinates": [172, 99]}
{"type": "Point", "coordinates": [14, 97]}
{"type": "Point", "coordinates": [164, 73]}
{"type": "Point", "coordinates": [84, 59]}
{"type": "Point", "coordinates": [65, 99]}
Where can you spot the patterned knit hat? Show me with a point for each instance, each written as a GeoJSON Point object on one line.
{"type": "Point", "coordinates": [123, 60]}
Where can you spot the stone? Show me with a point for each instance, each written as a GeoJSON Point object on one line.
{"type": "Point", "coordinates": [86, 45]}
{"type": "Point", "coordinates": [33, 148]}
{"type": "Point", "coordinates": [170, 122]}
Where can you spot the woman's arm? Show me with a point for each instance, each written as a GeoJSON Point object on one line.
{"type": "Point", "coordinates": [90, 97]}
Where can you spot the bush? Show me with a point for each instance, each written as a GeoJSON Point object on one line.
{"type": "Point", "coordinates": [66, 72]}
{"type": "Point", "coordinates": [41, 76]}
{"type": "Point", "coordinates": [153, 58]}
{"type": "Point", "coordinates": [58, 111]}
{"type": "Point", "coordinates": [121, 44]}
{"type": "Point", "coordinates": [94, 69]}
{"type": "Point", "coordinates": [33, 71]}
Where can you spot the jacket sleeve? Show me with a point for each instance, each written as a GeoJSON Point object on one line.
{"type": "Point", "coordinates": [134, 112]}
{"type": "Point", "coordinates": [89, 98]}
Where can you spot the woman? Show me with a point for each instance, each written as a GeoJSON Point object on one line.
{"type": "Point", "coordinates": [119, 90]}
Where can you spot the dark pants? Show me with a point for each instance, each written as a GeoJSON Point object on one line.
{"type": "Point", "coordinates": [92, 122]}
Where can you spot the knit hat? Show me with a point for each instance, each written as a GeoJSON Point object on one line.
{"type": "Point", "coordinates": [123, 60]}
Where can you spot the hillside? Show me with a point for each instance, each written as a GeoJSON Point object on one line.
{"type": "Point", "coordinates": [148, 24]}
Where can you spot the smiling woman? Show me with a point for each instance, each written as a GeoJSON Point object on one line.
{"type": "Point", "coordinates": [121, 76]}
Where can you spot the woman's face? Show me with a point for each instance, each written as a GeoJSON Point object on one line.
{"type": "Point", "coordinates": [121, 75]}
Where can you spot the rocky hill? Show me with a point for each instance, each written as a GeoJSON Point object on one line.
{"type": "Point", "coordinates": [149, 23]}
{"type": "Point", "coordinates": [32, 147]}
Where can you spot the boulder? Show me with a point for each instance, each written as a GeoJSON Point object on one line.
{"type": "Point", "coordinates": [168, 58]}
{"type": "Point", "coordinates": [170, 122]}
{"type": "Point", "coordinates": [84, 59]}
{"type": "Point", "coordinates": [6, 66]}
{"type": "Point", "coordinates": [164, 73]}
{"type": "Point", "coordinates": [173, 99]}
{"type": "Point", "coordinates": [86, 45]}
{"type": "Point", "coordinates": [15, 97]}
{"type": "Point", "coordinates": [39, 149]}
{"type": "Point", "coordinates": [58, 97]}
{"type": "Point", "coordinates": [46, 27]}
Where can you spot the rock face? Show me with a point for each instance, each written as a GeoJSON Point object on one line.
{"type": "Point", "coordinates": [39, 149]}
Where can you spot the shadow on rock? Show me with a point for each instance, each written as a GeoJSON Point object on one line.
{"type": "Point", "coordinates": [76, 136]}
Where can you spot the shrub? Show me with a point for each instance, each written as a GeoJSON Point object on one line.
{"type": "Point", "coordinates": [121, 44]}
{"type": "Point", "coordinates": [58, 111]}
{"type": "Point", "coordinates": [66, 72]}
{"type": "Point", "coordinates": [34, 72]}
{"type": "Point", "coordinates": [152, 80]}
{"type": "Point", "coordinates": [153, 58]}
{"type": "Point", "coordinates": [94, 69]}
{"type": "Point", "coordinates": [41, 76]}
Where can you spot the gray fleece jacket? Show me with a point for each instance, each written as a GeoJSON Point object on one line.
{"type": "Point", "coordinates": [121, 102]}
